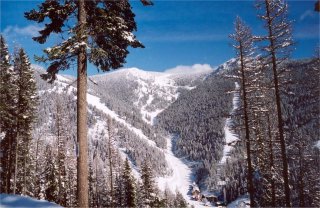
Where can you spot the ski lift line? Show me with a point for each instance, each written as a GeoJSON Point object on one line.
{"type": "Point", "coordinates": [95, 83]}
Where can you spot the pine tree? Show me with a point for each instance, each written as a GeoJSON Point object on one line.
{"type": "Point", "coordinates": [51, 185]}
{"type": "Point", "coordinates": [168, 197]}
{"type": "Point", "coordinates": [301, 118]}
{"type": "Point", "coordinates": [92, 191]}
{"type": "Point", "coordinates": [61, 135]}
{"type": "Point", "coordinates": [147, 187]}
{"type": "Point", "coordinates": [128, 186]}
{"type": "Point", "coordinates": [179, 200]}
{"type": "Point", "coordinates": [35, 150]}
{"type": "Point", "coordinates": [112, 161]}
{"type": "Point", "coordinates": [7, 113]}
{"type": "Point", "coordinates": [139, 195]}
{"type": "Point", "coordinates": [105, 47]}
{"type": "Point", "coordinates": [277, 50]}
{"type": "Point", "coordinates": [119, 192]}
{"type": "Point", "coordinates": [244, 47]}
{"type": "Point", "coordinates": [25, 116]}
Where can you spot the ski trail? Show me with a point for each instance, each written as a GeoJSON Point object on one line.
{"type": "Point", "coordinates": [181, 178]}
{"type": "Point", "coordinates": [61, 86]}
{"type": "Point", "coordinates": [230, 137]}
{"type": "Point", "coordinates": [95, 101]}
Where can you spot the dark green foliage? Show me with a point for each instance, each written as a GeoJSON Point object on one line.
{"type": "Point", "coordinates": [7, 113]}
{"type": "Point", "coordinates": [25, 116]}
{"type": "Point", "coordinates": [148, 185]}
{"type": "Point", "coordinates": [302, 99]}
{"type": "Point", "coordinates": [108, 33]}
{"type": "Point", "coordinates": [17, 110]}
{"type": "Point", "coordinates": [50, 176]}
{"type": "Point", "coordinates": [129, 190]}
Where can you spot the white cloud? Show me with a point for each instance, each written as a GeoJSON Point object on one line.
{"type": "Point", "coordinates": [196, 68]}
{"type": "Point", "coordinates": [29, 30]}
{"type": "Point", "coordinates": [306, 14]}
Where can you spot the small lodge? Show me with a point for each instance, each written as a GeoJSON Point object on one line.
{"type": "Point", "coordinates": [204, 197]}
{"type": "Point", "coordinates": [196, 194]}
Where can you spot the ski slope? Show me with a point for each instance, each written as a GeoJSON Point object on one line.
{"type": "Point", "coordinates": [95, 101]}
{"type": "Point", "coordinates": [181, 178]}
{"type": "Point", "coordinates": [230, 137]}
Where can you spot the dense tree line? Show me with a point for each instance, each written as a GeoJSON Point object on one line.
{"type": "Point", "coordinates": [275, 114]}
{"type": "Point", "coordinates": [196, 119]}
{"type": "Point", "coordinates": [18, 110]}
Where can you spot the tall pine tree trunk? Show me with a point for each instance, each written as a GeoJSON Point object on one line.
{"type": "Point", "coordinates": [285, 174]}
{"type": "Point", "coordinates": [246, 123]}
{"type": "Point", "coordinates": [82, 160]}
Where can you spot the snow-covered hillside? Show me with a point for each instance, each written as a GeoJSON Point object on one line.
{"type": "Point", "coordinates": [10, 201]}
{"type": "Point", "coordinates": [149, 93]}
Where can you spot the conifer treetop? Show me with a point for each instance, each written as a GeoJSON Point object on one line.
{"type": "Point", "coordinates": [108, 33]}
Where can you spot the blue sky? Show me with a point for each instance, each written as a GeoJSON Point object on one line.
{"type": "Point", "coordinates": [175, 32]}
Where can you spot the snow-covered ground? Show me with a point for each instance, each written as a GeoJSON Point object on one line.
{"type": "Point", "coordinates": [10, 200]}
{"type": "Point", "coordinates": [230, 137]}
{"type": "Point", "coordinates": [181, 178]}
{"type": "Point", "coordinates": [240, 202]}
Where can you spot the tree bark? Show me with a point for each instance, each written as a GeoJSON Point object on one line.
{"type": "Point", "coordinates": [82, 160]}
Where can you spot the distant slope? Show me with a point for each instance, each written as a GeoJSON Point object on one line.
{"type": "Point", "coordinates": [148, 92]}
{"type": "Point", "coordinates": [197, 118]}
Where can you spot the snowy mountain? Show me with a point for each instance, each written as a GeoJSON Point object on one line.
{"type": "Point", "coordinates": [131, 98]}
{"type": "Point", "coordinates": [184, 122]}
{"type": "Point", "coordinates": [149, 92]}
